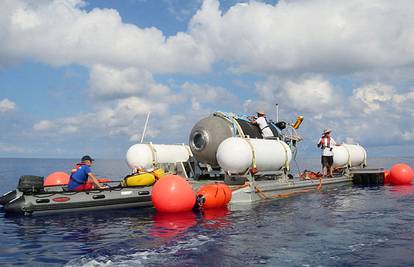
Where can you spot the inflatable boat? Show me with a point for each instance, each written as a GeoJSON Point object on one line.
{"type": "Point", "coordinates": [32, 198]}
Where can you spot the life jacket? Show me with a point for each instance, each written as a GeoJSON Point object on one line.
{"type": "Point", "coordinates": [77, 166]}
{"type": "Point", "coordinates": [326, 142]}
{"type": "Point", "coordinates": [75, 169]}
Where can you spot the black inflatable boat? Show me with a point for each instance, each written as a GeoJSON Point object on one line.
{"type": "Point", "coordinates": [31, 197]}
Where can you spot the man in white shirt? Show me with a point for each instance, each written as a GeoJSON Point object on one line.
{"type": "Point", "coordinates": [326, 143]}
{"type": "Point", "coordinates": [263, 125]}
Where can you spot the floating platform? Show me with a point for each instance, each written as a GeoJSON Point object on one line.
{"type": "Point", "coordinates": [254, 191]}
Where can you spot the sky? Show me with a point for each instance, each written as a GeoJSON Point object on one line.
{"type": "Point", "coordinates": [79, 76]}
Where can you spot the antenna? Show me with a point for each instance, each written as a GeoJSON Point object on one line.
{"type": "Point", "coordinates": [145, 127]}
{"type": "Point", "coordinates": [277, 112]}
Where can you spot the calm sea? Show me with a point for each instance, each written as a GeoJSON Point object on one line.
{"type": "Point", "coordinates": [346, 226]}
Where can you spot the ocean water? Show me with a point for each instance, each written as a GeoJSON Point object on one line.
{"type": "Point", "coordinates": [345, 226]}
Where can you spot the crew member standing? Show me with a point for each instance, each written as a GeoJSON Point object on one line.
{"type": "Point", "coordinates": [326, 143]}
{"type": "Point", "coordinates": [263, 125]}
{"type": "Point", "coordinates": [80, 174]}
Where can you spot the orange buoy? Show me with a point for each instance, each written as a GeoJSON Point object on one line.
{"type": "Point", "coordinates": [56, 178]}
{"type": "Point", "coordinates": [173, 193]}
{"type": "Point", "coordinates": [386, 176]}
{"type": "Point", "coordinates": [227, 191]}
{"type": "Point", "coordinates": [213, 196]}
{"type": "Point", "coordinates": [401, 174]}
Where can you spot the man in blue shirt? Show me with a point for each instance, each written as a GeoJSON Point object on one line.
{"type": "Point", "coordinates": [80, 174]}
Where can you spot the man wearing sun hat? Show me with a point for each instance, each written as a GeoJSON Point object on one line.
{"type": "Point", "coordinates": [326, 143]}
{"type": "Point", "coordinates": [263, 125]}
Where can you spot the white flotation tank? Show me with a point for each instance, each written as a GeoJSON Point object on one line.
{"type": "Point", "coordinates": [349, 155]}
{"type": "Point", "coordinates": [147, 156]}
{"type": "Point", "coordinates": [236, 155]}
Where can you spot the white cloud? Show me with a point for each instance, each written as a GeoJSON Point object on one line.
{"type": "Point", "coordinates": [307, 43]}
{"type": "Point", "coordinates": [8, 148]}
{"type": "Point", "coordinates": [313, 35]}
{"type": "Point", "coordinates": [44, 125]}
{"type": "Point", "coordinates": [316, 36]}
{"type": "Point", "coordinates": [372, 97]}
{"type": "Point", "coordinates": [62, 33]}
{"type": "Point", "coordinates": [310, 94]}
{"type": "Point", "coordinates": [107, 81]}
{"type": "Point", "coordinates": [204, 93]}
{"type": "Point", "coordinates": [7, 105]}
{"type": "Point", "coordinates": [374, 114]}
{"type": "Point", "coordinates": [115, 83]}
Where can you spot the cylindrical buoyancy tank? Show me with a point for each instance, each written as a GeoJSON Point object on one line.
{"type": "Point", "coordinates": [349, 154]}
{"type": "Point", "coordinates": [209, 132]}
{"type": "Point", "coordinates": [236, 155]}
{"type": "Point", "coordinates": [147, 156]}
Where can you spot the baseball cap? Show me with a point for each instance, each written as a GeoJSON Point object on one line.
{"type": "Point", "coordinates": [87, 158]}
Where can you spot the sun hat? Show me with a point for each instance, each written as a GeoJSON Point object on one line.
{"type": "Point", "coordinates": [327, 131]}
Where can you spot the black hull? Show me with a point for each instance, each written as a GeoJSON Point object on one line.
{"type": "Point", "coordinates": [61, 202]}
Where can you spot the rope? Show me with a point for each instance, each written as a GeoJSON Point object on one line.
{"type": "Point", "coordinates": [154, 154]}
{"type": "Point", "coordinates": [253, 153]}
{"type": "Point", "coordinates": [260, 192]}
{"type": "Point", "coordinates": [264, 196]}
{"type": "Point", "coordinates": [232, 119]}
{"type": "Point", "coordinates": [246, 184]}
{"type": "Point", "coordinates": [349, 156]}
{"type": "Point", "coordinates": [365, 156]}
{"type": "Point", "coordinates": [290, 194]}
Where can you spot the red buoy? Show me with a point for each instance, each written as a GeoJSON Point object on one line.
{"type": "Point", "coordinates": [173, 193]}
{"type": "Point", "coordinates": [386, 176]}
{"type": "Point", "coordinates": [56, 178]}
{"type": "Point", "coordinates": [401, 174]}
{"type": "Point", "coordinates": [214, 195]}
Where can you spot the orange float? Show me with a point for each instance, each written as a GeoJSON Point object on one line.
{"type": "Point", "coordinates": [386, 176]}
{"type": "Point", "coordinates": [401, 174]}
{"type": "Point", "coordinates": [173, 193]}
{"type": "Point", "coordinates": [56, 178]}
{"type": "Point", "coordinates": [212, 196]}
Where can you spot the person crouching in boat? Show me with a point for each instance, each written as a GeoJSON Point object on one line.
{"type": "Point", "coordinates": [80, 174]}
{"type": "Point", "coordinates": [326, 143]}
